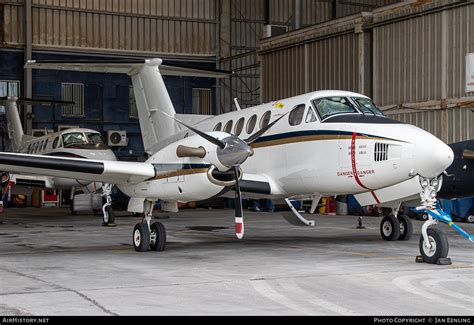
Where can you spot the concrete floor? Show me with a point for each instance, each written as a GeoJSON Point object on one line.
{"type": "Point", "coordinates": [54, 264]}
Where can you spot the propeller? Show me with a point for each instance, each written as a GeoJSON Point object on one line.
{"type": "Point", "coordinates": [239, 213]}
{"type": "Point", "coordinates": [231, 152]}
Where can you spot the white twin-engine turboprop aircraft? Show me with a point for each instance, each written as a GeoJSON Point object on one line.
{"type": "Point", "coordinates": [321, 143]}
{"type": "Point", "coordinates": [73, 143]}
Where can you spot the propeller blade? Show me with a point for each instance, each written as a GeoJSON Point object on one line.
{"type": "Point", "coordinates": [239, 214]}
{"type": "Point", "coordinates": [204, 135]}
{"type": "Point", "coordinates": [258, 134]}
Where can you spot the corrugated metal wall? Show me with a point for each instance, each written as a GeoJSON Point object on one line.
{"type": "Point", "coordinates": [141, 26]}
{"type": "Point", "coordinates": [450, 125]}
{"type": "Point", "coordinates": [419, 60]}
{"type": "Point", "coordinates": [410, 55]}
{"type": "Point", "coordinates": [321, 57]}
{"type": "Point", "coordinates": [248, 20]}
{"type": "Point", "coordinates": [416, 63]}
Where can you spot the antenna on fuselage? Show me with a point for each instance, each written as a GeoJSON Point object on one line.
{"type": "Point", "coordinates": [237, 105]}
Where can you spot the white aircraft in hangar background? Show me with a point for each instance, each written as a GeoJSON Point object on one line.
{"type": "Point", "coordinates": [321, 143]}
{"type": "Point", "coordinates": [73, 143]}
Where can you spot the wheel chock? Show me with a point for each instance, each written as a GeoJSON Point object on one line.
{"type": "Point", "coordinates": [444, 261]}
{"type": "Point", "coordinates": [440, 261]}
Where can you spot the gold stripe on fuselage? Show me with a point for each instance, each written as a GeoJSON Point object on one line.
{"type": "Point", "coordinates": [269, 143]}
{"type": "Point", "coordinates": [306, 138]}
{"type": "Point", "coordinates": [180, 172]}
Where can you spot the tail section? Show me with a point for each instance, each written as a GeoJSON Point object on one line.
{"type": "Point", "coordinates": [151, 97]}
{"type": "Point", "coordinates": [15, 129]}
{"type": "Point", "coordinates": [150, 91]}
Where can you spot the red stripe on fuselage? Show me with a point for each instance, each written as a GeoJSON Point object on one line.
{"type": "Point", "coordinates": [353, 159]}
{"type": "Point", "coordinates": [375, 197]}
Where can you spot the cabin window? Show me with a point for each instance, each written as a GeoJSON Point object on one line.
{"type": "Point", "coordinates": [218, 127]}
{"type": "Point", "coordinates": [40, 146]}
{"type": "Point", "coordinates": [71, 139]}
{"type": "Point", "coordinates": [45, 144]}
{"type": "Point", "coordinates": [311, 116]}
{"type": "Point", "coordinates": [367, 106]}
{"type": "Point", "coordinates": [251, 124]}
{"type": "Point", "coordinates": [228, 126]}
{"type": "Point", "coordinates": [330, 106]}
{"type": "Point", "coordinates": [265, 120]}
{"type": "Point", "coordinates": [296, 115]}
{"type": "Point", "coordinates": [239, 126]}
{"type": "Point", "coordinates": [55, 142]}
{"type": "Point", "coordinates": [95, 138]}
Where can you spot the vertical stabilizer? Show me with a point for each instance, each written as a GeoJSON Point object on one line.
{"type": "Point", "coordinates": [152, 97]}
{"type": "Point", "coordinates": [15, 129]}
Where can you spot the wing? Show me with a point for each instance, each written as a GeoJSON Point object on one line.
{"type": "Point", "coordinates": [115, 172]}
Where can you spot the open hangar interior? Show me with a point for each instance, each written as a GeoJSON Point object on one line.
{"type": "Point", "coordinates": [411, 57]}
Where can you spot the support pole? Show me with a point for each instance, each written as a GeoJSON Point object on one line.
{"type": "Point", "coordinates": [27, 77]}
{"type": "Point", "coordinates": [298, 14]}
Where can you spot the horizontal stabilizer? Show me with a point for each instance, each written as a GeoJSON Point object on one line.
{"type": "Point", "coordinates": [115, 172]}
{"type": "Point", "coordinates": [129, 67]}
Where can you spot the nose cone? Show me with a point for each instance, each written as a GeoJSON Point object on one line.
{"type": "Point", "coordinates": [432, 156]}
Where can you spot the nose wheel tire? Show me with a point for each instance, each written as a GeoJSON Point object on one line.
{"type": "Point", "coordinates": [390, 228]}
{"type": "Point", "coordinates": [158, 237]}
{"type": "Point", "coordinates": [108, 217]}
{"type": "Point", "coordinates": [406, 227]}
{"type": "Point", "coordinates": [141, 237]}
{"type": "Point", "coordinates": [437, 248]}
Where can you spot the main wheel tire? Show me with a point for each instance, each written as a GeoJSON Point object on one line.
{"type": "Point", "coordinates": [158, 237]}
{"type": "Point", "coordinates": [108, 217]}
{"type": "Point", "coordinates": [406, 227]}
{"type": "Point", "coordinates": [141, 237]}
{"type": "Point", "coordinates": [439, 246]}
{"type": "Point", "coordinates": [390, 228]}
{"type": "Point", "coordinates": [470, 218]}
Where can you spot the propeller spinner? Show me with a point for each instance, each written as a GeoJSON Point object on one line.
{"type": "Point", "coordinates": [231, 152]}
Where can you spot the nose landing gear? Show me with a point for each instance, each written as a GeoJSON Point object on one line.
{"type": "Point", "coordinates": [434, 246]}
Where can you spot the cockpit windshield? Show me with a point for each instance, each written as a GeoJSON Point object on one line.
{"type": "Point", "coordinates": [367, 106]}
{"type": "Point", "coordinates": [95, 138]}
{"type": "Point", "coordinates": [73, 139]}
{"type": "Point", "coordinates": [329, 106]}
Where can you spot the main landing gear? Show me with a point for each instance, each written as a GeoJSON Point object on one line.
{"type": "Point", "coordinates": [149, 236]}
{"type": "Point", "coordinates": [434, 246]}
{"type": "Point", "coordinates": [396, 227]}
{"type": "Point", "coordinates": [108, 218]}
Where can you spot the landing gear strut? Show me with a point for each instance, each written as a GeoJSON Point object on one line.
{"type": "Point", "coordinates": [396, 227]}
{"type": "Point", "coordinates": [434, 245]}
{"type": "Point", "coordinates": [147, 235]}
{"type": "Point", "coordinates": [108, 218]}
